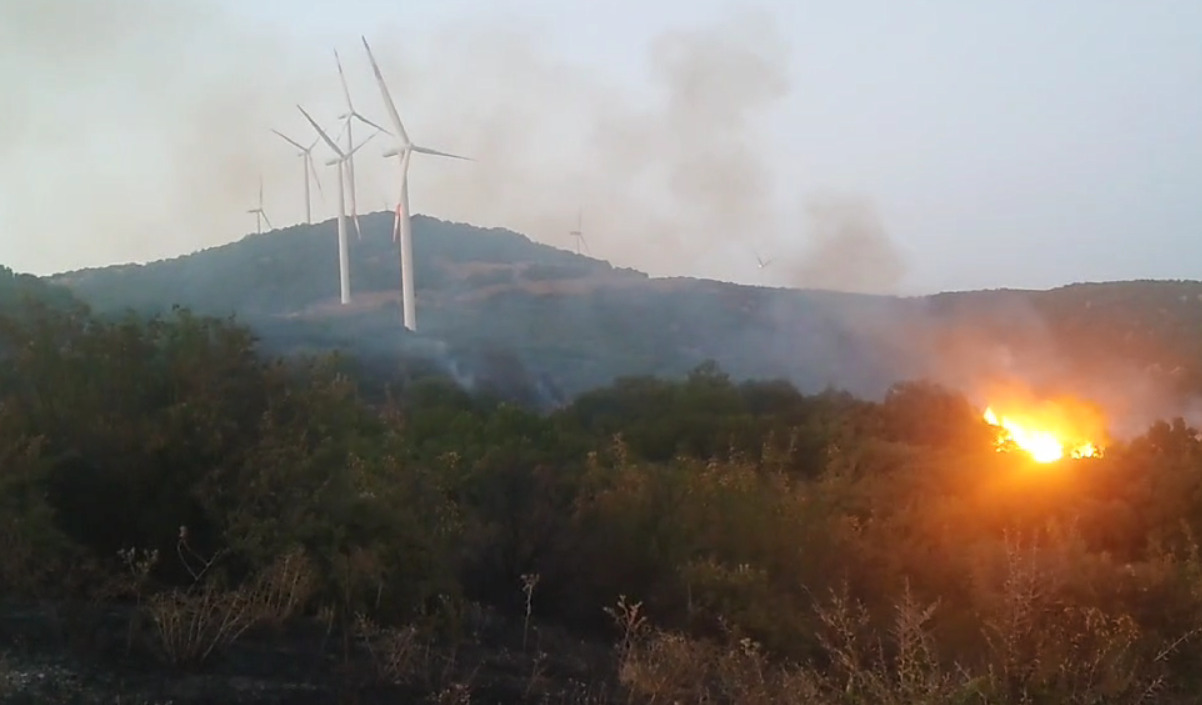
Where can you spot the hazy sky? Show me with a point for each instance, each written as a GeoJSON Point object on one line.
{"type": "Point", "coordinates": [865, 144]}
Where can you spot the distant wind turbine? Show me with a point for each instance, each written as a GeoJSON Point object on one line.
{"type": "Point", "coordinates": [306, 154]}
{"type": "Point", "coordinates": [403, 224]}
{"type": "Point", "coordinates": [350, 116]}
{"type": "Point", "coordinates": [344, 274]}
{"type": "Point", "coordinates": [760, 262]}
{"type": "Point", "coordinates": [578, 233]}
{"type": "Point", "coordinates": [260, 215]}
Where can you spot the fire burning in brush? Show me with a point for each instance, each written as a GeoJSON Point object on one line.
{"type": "Point", "coordinates": [1047, 430]}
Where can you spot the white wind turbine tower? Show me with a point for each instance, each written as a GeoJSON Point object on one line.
{"type": "Point", "coordinates": [306, 154]}
{"type": "Point", "coordinates": [348, 117]}
{"type": "Point", "coordinates": [402, 226]}
{"type": "Point", "coordinates": [578, 233]}
{"type": "Point", "coordinates": [260, 215]}
{"type": "Point", "coordinates": [344, 274]}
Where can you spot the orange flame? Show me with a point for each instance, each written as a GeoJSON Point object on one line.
{"type": "Point", "coordinates": [1044, 446]}
{"type": "Point", "coordinates": [1047, 430]}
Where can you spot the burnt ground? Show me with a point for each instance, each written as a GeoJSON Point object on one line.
{"type": "Point", "coordinates": [60, 653]}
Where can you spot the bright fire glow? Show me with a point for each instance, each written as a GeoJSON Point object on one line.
{"type": "Point", "coordinates": [1047, 433]}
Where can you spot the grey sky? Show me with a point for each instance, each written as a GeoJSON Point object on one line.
{"type": "Point", "coordinates": [983, 144]}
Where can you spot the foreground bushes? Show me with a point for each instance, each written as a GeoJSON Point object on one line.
{"type": "Point", "coordinates": [786, 548]}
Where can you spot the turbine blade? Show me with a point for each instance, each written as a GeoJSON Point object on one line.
{"type": "Point", "coordinates": [267, 220]}
{"type": "Point", "coordinates": [365, 121]}
{"type": "Point", "coordinates": [342, 124]}
{"type": "Point", "coordinates": [332, 144]}
{"type": "Point", "coordinates": [291, 141]}
{"type": "Point", "coordinates": [393, 115]}
{"type": "Point", "coordinates": [313, 173]}
{"type": "Point", "coordinates": [369, 139]}
{"type": "Point", "coordinates": [435, 152]}
{"type": "Point", "coordinates": [346, 92]}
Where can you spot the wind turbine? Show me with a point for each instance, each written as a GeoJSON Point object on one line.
{"type": "Point", "coordinates": [578, 233]}
{"type": "Point", "coordinates": [344, 274]}
{"type": "Point", "coordinates": [260, 215]}
{"type": "Point", "coordinates": [349, 116]}
{"type": "Point", "coordinates": [306, 154]}
{"type": "Point", "coordinates": [403, 226]}
{"type": "Point", "coordinates": [761, 263]}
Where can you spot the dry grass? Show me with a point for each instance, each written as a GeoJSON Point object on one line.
{"type": "Point", "coordinates": [284, 588]}
{"type": "Point", "coordinates": [410, 656]}
{"type": "Point", "coordinates": [193, 624]}
{"type": "Point", "coordinates": [1036, 652]}
{"type": "Point", "coordinates": [399, 656]}
{"type": "Point", "coordinates": [664, 667]}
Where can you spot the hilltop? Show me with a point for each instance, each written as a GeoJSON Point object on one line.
{"type": "Point", "coordinates": [492, 298]}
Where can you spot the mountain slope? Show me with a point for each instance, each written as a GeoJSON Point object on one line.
{"type": "Point", "coordinates": [579, 322]}
{"type": "Point", "coordinates": [16, 288]}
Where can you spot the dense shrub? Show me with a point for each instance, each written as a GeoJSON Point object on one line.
{"type": "Point", "coordinates": [782, 544]}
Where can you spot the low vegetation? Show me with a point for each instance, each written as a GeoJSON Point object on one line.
{"type": "Point", "coordinates": [724, 542]}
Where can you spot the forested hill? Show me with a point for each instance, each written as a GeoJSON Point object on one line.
{"type": "Point", "coordinates": [576, 323]}
{"type": "Point", "coordinates": [16, 289]}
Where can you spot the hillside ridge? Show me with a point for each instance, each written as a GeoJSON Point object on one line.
{"type": "Point", "coordinates": [581, 322]}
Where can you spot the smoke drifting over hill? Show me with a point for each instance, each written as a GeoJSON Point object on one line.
{"type": "Point", "coordinates": [139, 130]}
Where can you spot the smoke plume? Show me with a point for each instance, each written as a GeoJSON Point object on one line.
{"type": "Point", "coordinates": [844, 248]}
{"type": "Point", "coordinates": [139, 130]}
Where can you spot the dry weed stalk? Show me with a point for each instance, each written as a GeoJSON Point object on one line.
{"type": "Point", "coordinates": [537, 670]}
{"type": "Point", "coordinates": [193, 562]}
{"type": "Point", "coordinates": [529, 582]}
{"type": "Point", "coordinates": [399, 656]}
{"type": "Point", "coordinates": [194, 623]}
{"type": "Point", "coordinates": [630, 621]}
{"type": "Point", "coordinates": [663, 667]}
{"type": "Point", "coordinates": [285, 587]}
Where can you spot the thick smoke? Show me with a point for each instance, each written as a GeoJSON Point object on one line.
{"type": "Point", "coordinates": [673, 182]}
{"type": "Point", "coordinates": [845, 247]}
{"type": "Point", "coordinates": [139, 130]}
{"type": "Point", "coordinates": [133, 130]}
{"type": "Point", "coordinates": [1006, 351]}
